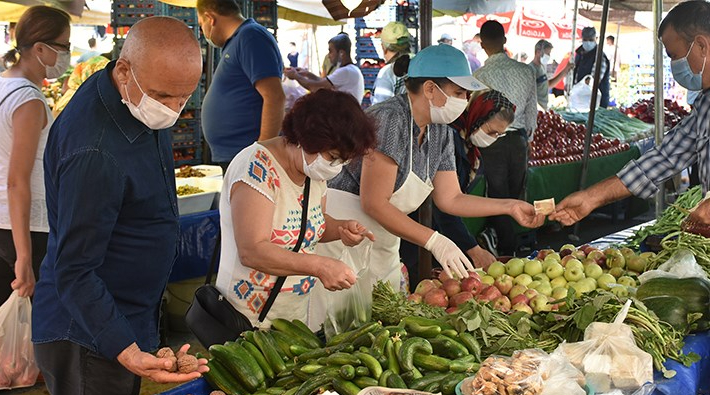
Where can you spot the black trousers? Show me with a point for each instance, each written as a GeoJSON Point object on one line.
{"type": "Point", "coordinates": [8, 257]}
{"type": "Point", "coordinates": [505, 165]}
{"type": "Point", "coordinates": [70, 369]}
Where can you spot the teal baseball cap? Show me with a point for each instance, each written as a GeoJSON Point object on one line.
{"type": "Point", "coordinates": [444, 61]}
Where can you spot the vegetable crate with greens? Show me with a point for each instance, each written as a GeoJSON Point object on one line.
{"type": "Point", "coordinates": [612, 124]}
{"type": "Point", "coordinates": [417, 353]}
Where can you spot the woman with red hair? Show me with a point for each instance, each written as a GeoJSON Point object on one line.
{"type": "Point", "coordinates": [261, 207]}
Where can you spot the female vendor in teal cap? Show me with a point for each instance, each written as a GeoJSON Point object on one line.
{"type": "Point", "coordinates": [415, 158]}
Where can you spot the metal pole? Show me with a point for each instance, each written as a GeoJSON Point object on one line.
{"type": "Point", "coordinates": [425, 22]}
{"type": "Point", "coordinates": [658, 94]}
{"type": "Point", "coordinates": [616, 49]}
{"type": "Point", "coordinates": [569, 78]}
{"type": "Point", "coordinates": [593, 105]}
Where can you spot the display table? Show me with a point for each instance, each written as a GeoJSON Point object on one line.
{"type": "Point", "coordinates": [198, 234]}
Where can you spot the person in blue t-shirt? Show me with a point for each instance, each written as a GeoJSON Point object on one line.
{"type": "Point", "coordinates": [245, 101]}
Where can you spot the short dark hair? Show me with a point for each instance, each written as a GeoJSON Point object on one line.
{"type": "Point", "coordinates": [688, 18]}
{"type": "Point", "coordinates": [92, 42]}
{"type": "Point", "coordinates": [341, 42]}
{"type": "Point", "coordinates": [611, 38]}
{"type": "Point", "coordinates": [492, 31]}
{"type": "Point", "coordinates": [330, 120]}
{"type": "Point", "coordinates": [220, 7]}
{"type": "Point", "coordinates": [542, 45]}
{"type": "Point", "coordinates": [293, 43]}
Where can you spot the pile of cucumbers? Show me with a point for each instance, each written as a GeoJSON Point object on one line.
{"type": "Point", "coordinates": [418, 353]}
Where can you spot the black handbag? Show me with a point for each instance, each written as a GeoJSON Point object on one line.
{"type": "Point", "coordinates": [211, 318]}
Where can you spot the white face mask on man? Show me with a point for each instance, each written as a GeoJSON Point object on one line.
{"type": "Point", "coordinates": [452, 109]}
{"type": "Point", "coordinates": [151, 112]}
{"type": "Point", "coordinates": [320, 169]}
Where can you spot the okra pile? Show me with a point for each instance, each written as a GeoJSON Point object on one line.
{"type": "Point", "coordinates": [418, 353]}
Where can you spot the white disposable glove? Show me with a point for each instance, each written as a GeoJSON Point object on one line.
{"type": "Point", "coordinates": [449, 255]}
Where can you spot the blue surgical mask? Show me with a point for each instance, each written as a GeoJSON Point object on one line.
{"type": "Point", "coordinates": [588, 45]}
{"type": "Point", "coordinates": [684, 75]}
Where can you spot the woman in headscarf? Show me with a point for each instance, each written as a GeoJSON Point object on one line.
{"type": "Point", "coordinates": [486, 118]}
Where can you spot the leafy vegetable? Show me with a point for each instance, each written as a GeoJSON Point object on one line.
{"type": "Point", "coordinates": [390, 306]}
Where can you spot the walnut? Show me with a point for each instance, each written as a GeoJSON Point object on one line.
{"type": "Point", "coordinates": [165, 352]}
{"type": "Point", "coordinates": [217, 392]}
{"type": "Point", "coordinates": [187, 363]}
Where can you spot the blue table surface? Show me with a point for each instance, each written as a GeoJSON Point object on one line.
{"type": "Point", "coordinates": [198, 234]}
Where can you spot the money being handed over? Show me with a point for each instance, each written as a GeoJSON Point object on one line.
{"type": "Point", "coordinates": [544, 207]}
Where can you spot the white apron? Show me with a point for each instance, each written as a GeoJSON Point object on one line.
{"type": "Point", "coordinates": [384, 263]}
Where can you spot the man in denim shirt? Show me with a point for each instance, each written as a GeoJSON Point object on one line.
{"type": "Point", "coordinates": [113, 217]}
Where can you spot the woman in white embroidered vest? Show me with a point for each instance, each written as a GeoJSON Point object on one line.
{"type": "Point", "coordinates": [261, 208]}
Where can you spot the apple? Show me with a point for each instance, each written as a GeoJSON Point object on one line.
{"type": "Point", "coordinates": [437, 297]}
{"type": "Point", "coordinates": [567, 259]}
{"type": "Point", "coordinates": [452, 310]}
{"type": "Point", "coordinates": [637, 264]}
{"type": "Point", "coordinates": [589, 261]}
{"type": "Point", "coordinates": [469, 283]}
{"type": "Point", "coordinates": [647, 255]}
{"type": "Point", "coordinates": [560, 281]}
{"type": "Point", "coordinates": [579, 254]}
{"type": "Point", "coordinates": [543, 253]}
{"type": "Point", "coordinates": [614, 258]}
{"type": "Point", "coordinates": [626, 281]}
{"type": "Point", "coordinates": [540, 303]}
{"type": "Point", "coordinates": [620, 291]}
{"type": "Point", "coordinates": [598, 257]}
{"type": "Point", "coordinates": [504, 283]}
{"type": "Point", "coordinates": [559, 293]}
{"type": "Point", "coordinates": [554, 270]}
{"type": "Point", "coordinates": [545, 265]}
{"type": "Point", "coordinates": [534, 284]}
{"type": "Point", "coordinates": [424, 287]}
{"type": "Point", "coordinates": [593, 271]}
{"type": "Point", "coordinates": [489, 294]}
{"type": "Point", "coordinates": [554, 256]}
{"type": "Point", "coordinates": [523, 279]}
{"type": "Point", "coordinates": [519, 299]}
{"type": "Point", "coordinates": [533, 268]}
{"type": "Point", "coordinates": [476, 274]}
{"type": "Point", "coordinates": [542, 277]}
{"type": "Point", "coordinates": [518, 289]}
{"type": "Point", "coordinates": [545, 289]}
{"type": "Point", "coordinates": [502, 303]}
{"type": "Point", "coordinates": [443, 276]}
{"type": "Point", "coordinates": [460, 298]}
{"type": "Point", "coordinates": [574, 273]}
{"type": "Point", "coordinates": [437, 283]}
{"type": "Point", "coordinates": [616, 271]}
{"type": "Point", "coordinates": [522, 307]}
{"type": "Point", "coordinates": [531, 294]}
{"type": "Point", "coordinates": [589, 283]}
{"type": "Point", "coordinates": [451, 286]}
{"type": "Point", "coordinates": [585, 247]}
{"type": "Point", "coordinates": [569, 247]}
{"type": "Point", "coordinates": [627, 253]}
{"type": "Point", "coordinates": [514, 267]}
{"type": "Point", "coordinates": [574, 263]}
{"type": "Point", "coordinates": [416, 298]}
{"type": "Point", "coordinates": [496, 269]}
{"type": "Point", "coordinates": [580, 288]}
{"type": "Point", "coordinates": [605, 280]}
{"type": "Point", "coordinates": [488, 280]}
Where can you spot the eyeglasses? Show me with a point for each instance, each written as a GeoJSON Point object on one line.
{"type": "Point", "coordinates": [66, 47]}
{"type": "Point", "coordinates": [492, 132]}
{"type": "Point", "coordinates": [337, 161]}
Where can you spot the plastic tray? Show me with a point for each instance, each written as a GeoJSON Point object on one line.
{"type": "Point", "coordinates": [199, 202]}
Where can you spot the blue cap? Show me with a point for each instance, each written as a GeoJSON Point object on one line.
{"type": "Point", "coordinates": [444, 61]}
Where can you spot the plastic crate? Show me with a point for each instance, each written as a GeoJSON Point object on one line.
{"type": "Point", "coordinates": [370, 72]}
{"type": "Point", "coordinates": [194, 387]}
{"type": "Point", "coordinates": [409, 15]}
{"type": "Point", "coordinates": [378, 18]}
{"type": "Point", "coordinates": [128, 12]}
{"type": "Point", "coordinates": [186, 132]}
{"type": "Point", "coordinates": [195, 101]}
{"type": "Point", "coordinates": [188, 155]}
{"type": "Point", "coordinates": [185, 14]}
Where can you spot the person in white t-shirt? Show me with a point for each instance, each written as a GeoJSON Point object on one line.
{"type": "Point", "coordinates": [346, 77]}
{"type": "Point", "coordinates": [42, 51]}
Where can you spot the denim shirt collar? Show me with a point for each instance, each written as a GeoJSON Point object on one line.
{"type": "Point", "coordinates": [121, 116]}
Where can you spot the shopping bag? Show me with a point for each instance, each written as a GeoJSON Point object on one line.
{"type": "Point", "coordinates": [351, 308]}
{"type": "Point", "coordinates": [293, 91]}
{"type": "Point", "coordinates": [17, 359]}
{"type": "Point", "coordinates": [580, 97]}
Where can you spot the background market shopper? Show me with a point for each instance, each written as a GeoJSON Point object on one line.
{"type": "Point", "coordinates": [113, 218]}
{"type": "Point", "coordinates": [42, 51]}
{"type": "Point", "coordinates": [396, 42]}
{"type": "Point", "coordinates": [261, 208]}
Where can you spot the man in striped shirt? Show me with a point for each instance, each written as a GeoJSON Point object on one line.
{"type": "Point", "coordinates": [685, 33]}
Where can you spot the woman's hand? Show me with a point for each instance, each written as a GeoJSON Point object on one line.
{"type": "Point", "coordinates": [336, 275]}
{"type": "Point", "coordinates": [353, 233]}
{"type": "Point", "coordinates": [524, 214]}
{"type": "Point", "coordinates": [24, 282]}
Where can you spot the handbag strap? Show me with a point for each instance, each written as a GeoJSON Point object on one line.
{"type": "Point", "coordinates": [15, 90]}
{"type": "Point", "coordinates": [281, 279]}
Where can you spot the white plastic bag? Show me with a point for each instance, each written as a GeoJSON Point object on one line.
{"type": "Point", "coordinates": [351, 308]}
{"type": "Point", "coordinates": [580, 97]}
{"type": "Point", "coordinates": [609, 357]}
{"type": "Point", "coordinates": [681, 265]}
{"type": "Point", "coordinates": [293, 91]}
{"type": "Point", "coordinates": [17, 360]}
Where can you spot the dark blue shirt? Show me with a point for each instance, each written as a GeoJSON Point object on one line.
{"type": "Point", "coordinates": [231, 110]}
{"type": "Point", "coordinates": [113, 225]}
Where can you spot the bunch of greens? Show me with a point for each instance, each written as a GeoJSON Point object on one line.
{"type": "Point", "coordinates": [390, 306]}
{"type": "Point", "coordinates": [673, 242]}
